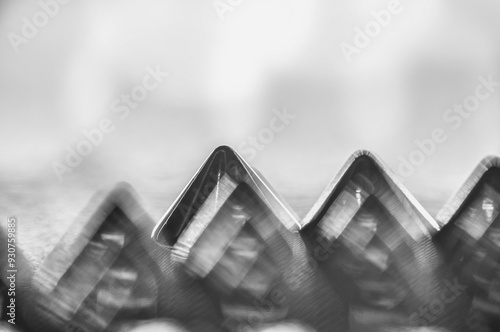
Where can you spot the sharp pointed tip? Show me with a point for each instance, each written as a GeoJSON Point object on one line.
{"type": "Point", "coordinates": [493, 160]}
{"type": "Point", "coordinates": [224, 147]}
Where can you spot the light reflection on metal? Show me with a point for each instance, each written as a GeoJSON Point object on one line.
{"type": "Point", "coordinates": [358, 196]}
{"type": "Point", "coordinates": [152, 326]}
{"type": "Point", "coordinates": [489, 209]}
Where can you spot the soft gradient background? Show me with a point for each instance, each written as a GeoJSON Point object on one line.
{"type": "Point", "coordinates": [227, 77]}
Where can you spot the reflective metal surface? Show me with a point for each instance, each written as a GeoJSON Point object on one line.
{"type": "Point", "coordinates": [105, 274]}
{"type": "Point", "coordinates": [230, 231]}
{"type": "Point", "coordinates": [373, 240]}
{"type": "Point", "coordinates": [470, 241]}
{"type": "Point", "coordinates": [229, 255]}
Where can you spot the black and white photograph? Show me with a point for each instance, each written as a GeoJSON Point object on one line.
{"type": "Point", "coordinates": [249, 166]}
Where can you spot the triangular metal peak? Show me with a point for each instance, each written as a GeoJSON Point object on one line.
{"type": "Point", "coordinates": [90, 220]}
{"type": "Point", "coordinates": [470, 236]}
{"type": "Point", "coordinates": [486, 173]}
{"type": "Point", "coordinates": [361, 166]}
{"type": "Point", "coordinates": [471, 211]}
{"type": "Point", "coordinates": [110, 244]}
{"type": "Point", "coordinates": [222, 162]}
{"type": "Point", "coordinates": [367, 229]}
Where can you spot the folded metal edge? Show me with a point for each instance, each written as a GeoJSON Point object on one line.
{"type": "Point", "coordinates": [288, 214]}
{"type": "Point", "coordinates": [394, 182]}
{"type": "Point", "coordinates": [456, 201]}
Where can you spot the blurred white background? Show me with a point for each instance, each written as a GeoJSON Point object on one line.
{"type": "Point", "coordinates": [226, 78]}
